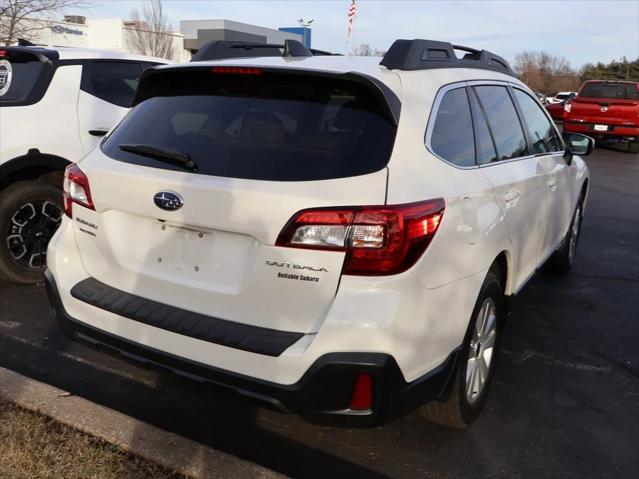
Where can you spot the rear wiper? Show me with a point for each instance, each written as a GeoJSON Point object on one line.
{"type": "Point", "coordinates": [163, 154]}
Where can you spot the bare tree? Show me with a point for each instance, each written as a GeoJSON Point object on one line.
{"type": "Point", "coordinates": [546, 73]}
{"type": "Point", "coordinates": [24, 18]}
{"type": "Point", "coordinates": [150, 33]}
{"type": "Point", "coordinates": [365, 50]}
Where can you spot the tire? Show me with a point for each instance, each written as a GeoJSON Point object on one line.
{"type": "Point", "coordinates": [30, 212]}
{"type": "Point", "coordinates": [562, 260]}
{"type": "Point", "coordinates": [466, 399]}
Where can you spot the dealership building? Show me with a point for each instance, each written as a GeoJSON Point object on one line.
{"type": "Point", "coordinates": [116, 34]}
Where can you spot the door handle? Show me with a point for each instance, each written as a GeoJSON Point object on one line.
{"type": "Point", "coordinates": [98, 132]}
{"type": "Point", "coordinates": [511, 196]}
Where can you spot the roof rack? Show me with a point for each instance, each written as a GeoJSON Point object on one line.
{"type": "Point", "coordinates": [430, 54]}
{"type": "Point", "coordinates": [223, 49]}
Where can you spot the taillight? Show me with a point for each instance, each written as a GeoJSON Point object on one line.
{"type": "Point", "coordinates": [567, 107]}
{"type": "Point", "coordinates": [76, 189]}
{"type": "Point", "coordinates": [378, 240]}
{"type": "Point", "coordinates": [3, 53]}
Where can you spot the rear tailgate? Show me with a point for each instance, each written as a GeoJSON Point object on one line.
{"type": "Point", "coordinates": [607, 104]}
{"type": "Point", "coordinates": [267, 145]}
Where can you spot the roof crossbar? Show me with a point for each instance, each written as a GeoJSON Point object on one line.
{"type": "Point", "coordinates": [430, 54]}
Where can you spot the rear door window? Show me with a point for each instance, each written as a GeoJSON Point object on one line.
{"type": "Point", "coordinates": [484, 144]}
{"type": "Point", "coordinates": [267, 126]}
{"type": "Point", "coordinates": [23, 78]}
{"type": "Point", "coordinates": [503, 121]}
{"type": "Point", "coordinates": [452, 135]}
{"type": "Point", "coordinates": [112, 81]}
{"type": "Point", "coordinates": [540, 131]}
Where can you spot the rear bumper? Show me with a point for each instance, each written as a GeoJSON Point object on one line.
{"type": "Point", "coordinates": [323, 394]}
{"type": "Point", "coordinates": [621, 132]}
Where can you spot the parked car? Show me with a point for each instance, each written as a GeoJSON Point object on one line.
{"type": "Point", "coordinates": [607, 110]}
{"type": "Point", "coordinates": [297, 232]}
{"type": "Point", "coordinates": [562, 96]}
{"type": "Point", "coordinates": [55, 105]}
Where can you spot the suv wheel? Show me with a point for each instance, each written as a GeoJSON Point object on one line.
{"type": "Point", "coordinates": [562, 260]}
{"type": "Point", "coordinates": [30, 212]}
{"type": "Point", "coordinates": [476, 361]}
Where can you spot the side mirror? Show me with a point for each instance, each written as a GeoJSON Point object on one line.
{"type": "Point", "coordinates": [577, 144]}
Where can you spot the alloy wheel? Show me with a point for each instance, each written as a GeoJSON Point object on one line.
{"type": "Point", "coordinates": [31, 227]}
{"type": "Point", "coordinates": [482, 346]}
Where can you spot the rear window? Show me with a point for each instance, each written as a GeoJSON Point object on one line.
{"type": "Point", "coordinates": [271, 126]}
{"type": "Point", "coordinates": [21, 75]}
{"type": "Point", "coordinates": [611, 91]}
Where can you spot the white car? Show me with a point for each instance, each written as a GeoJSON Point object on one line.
{"type": "Point", "coordinates": [562, 96]}
{"type": "Point", "coordinates": [55, 105]}
{"type": "Point", "coordinates": [334, 236]}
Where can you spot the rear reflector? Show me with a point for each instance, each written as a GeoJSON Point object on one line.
{"type": "Point", "coordinates": [378, 240]}
{"type": "Point", "coordinates": [362, 393]}
{"type": "Point", "coordinates": [76, 189]}
{"type": "Point", "coordinates": [237, 70]}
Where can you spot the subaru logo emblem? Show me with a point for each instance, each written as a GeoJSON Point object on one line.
{"type": "Point", "coordinates": [167, 200]}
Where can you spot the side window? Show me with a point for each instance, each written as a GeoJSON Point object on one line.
{"type": "Point", "coordinates": [112, 81]}
{"type": "Point", "coordinates": [541, 132]}
{"type": "Point", "coordinates": [503, 121]}
{"type": "Point", "coordinates": [452, 136]}
{"type": "Point", "coordinates": [484, 143]}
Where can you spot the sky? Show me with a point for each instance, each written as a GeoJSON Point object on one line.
{"type": "Point", "coordinates": [581, 31]}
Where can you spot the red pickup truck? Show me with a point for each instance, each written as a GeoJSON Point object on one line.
{"type": "Point", "coordinates": [607, 110]}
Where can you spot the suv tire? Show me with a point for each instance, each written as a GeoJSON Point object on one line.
{"type": "Point", "coordinates": [467, 397]}
{"type": "Point", "coordinates": [562, 260]}
{"type": "Point", "coordinates": [30, 212]}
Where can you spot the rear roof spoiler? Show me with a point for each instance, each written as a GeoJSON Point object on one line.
{"type": "Point", "coordinates": [155, 80]}
{"type": "Point", "coordinates": [45, 55]}
{"type": "Point", "coordinates": [223, 49]}
{"type": "Point", "coordinates": [413, 55]}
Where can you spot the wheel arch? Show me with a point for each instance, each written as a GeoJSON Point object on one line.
{"type": "Point", "coordinates": [502, 264]}
{"type": "Point", "coordinates": [33, 166]}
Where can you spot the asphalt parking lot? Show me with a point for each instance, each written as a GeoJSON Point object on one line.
{"type": "Point", "coordinates": [565, 402]}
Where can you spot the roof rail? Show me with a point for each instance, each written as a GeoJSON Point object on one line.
{"type": "Point", "coordinates": [430, 54]}
{"type": "Point", "coordinates": [222, 49]}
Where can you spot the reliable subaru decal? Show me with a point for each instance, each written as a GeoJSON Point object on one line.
{"type": "Point", "coordinates": [6, 73]}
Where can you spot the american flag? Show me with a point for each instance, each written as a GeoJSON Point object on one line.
{"type": "Point", "coordinates": [352, 11]}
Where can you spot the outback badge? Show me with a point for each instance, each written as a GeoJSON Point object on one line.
{"type": "Point", "coordinates": [168, 201]}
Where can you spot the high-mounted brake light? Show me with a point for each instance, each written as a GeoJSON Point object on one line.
{"type": "Point", "coordinates": [76, 190]}
{"type": "Point", "coordinates": [237, 70]}
{"type": "Point", "coordinates": [378, 240]}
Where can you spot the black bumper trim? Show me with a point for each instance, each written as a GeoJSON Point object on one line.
{"type": "Point", "coordinates": [321, 396]}
{"type": "Point", "coordinates": [254, 339]}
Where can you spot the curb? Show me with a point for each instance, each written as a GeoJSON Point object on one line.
{"type": "Point", "coordinates": [167, 449]}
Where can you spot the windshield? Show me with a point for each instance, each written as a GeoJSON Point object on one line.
{"type": "Point", "coordinates": [611, 91]}
{"type": "Point", "coordinates": [267, 126]}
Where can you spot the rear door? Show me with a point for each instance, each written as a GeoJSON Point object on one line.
{"type": "Point", "coordinates": [549, 151]}
{"type": "Point", "coordinates": [267, 144]}
{"type": "Point", "coordinates": [106, 94]}
{"type": "Point", "coordinates": [518, 178]}
{"type": "Point", "coordinates": [606, 105]}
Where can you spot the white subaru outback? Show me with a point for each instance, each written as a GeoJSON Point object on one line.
{"type": "Point", "coordinates": [55, 104]}
{"type": "Point", "coordinates": [334, 236]}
